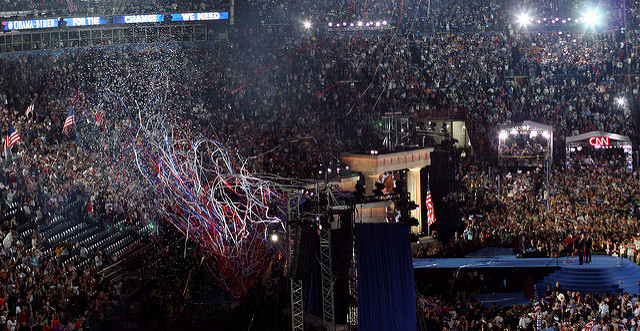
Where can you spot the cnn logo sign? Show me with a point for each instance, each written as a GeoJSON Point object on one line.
{"type": "Point", "coordinates": [599, 141]}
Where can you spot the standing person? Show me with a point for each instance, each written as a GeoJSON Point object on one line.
{"type": "Point", "coordinates": [588, 245]}
{"type": "Point", "coordinates": [580, 246]}
{"type": "Point", "coordinates": [568, 245]}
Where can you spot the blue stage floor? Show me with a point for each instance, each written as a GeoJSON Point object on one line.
{"type": "Point", "coordinates": [511, 261]}
{"type": "Point", "coordinates": [604, 274]}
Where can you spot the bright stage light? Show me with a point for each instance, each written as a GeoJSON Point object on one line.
{"type": "Point", "coordinates": [591, 17]}
{"type": "Point", "coordinates": [274, 237]}
{"type": "Point", "coordinates": [533, 133]}
{"type": "Point", "coordinates": [307, 24]}
{"type": "Point", "coordinates": [524, 19]}
{"type": "Point", "coordinates": [360, 23]}
{"type": "Point", "coordinates": [546, 134]}
{"type": "Point", "coordinates": [621, 101]}
{"type": "Point", "coordinates": [502, 135]}
{"type": "Point", "coordinates": [514, 132]}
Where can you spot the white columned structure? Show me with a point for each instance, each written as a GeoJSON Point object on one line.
{"type": "Point", "coordinates": [371, 166]}
{"type": "Point", "coordinates": [413, 187]}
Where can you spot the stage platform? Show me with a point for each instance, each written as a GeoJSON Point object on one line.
{"type": "Point", "coordinates": [604, 274]}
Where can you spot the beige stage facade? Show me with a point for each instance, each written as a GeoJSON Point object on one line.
{"type": "Point", "coordinates": [372, 165]}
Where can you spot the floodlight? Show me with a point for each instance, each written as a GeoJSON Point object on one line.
{"type": "Point", "coordinates": [524, 19]}
{"type": "Point", "coordinates": [514, 132]}
{"type": "Point", "coordinates": [546, 134]}
{"type": "Point", "coordinates": [533, 133]}
{"type": "Point", "coordinates": [360, 23]}
{"type": "Point", "coordinates": [502, 135]}
{"type": "Point", "coordinates": [591, 17]}
{"type": "Point", "coordinates": [274, 237]}
{"type": "Point", "coordinates": [621, 101]}
{"type": "Point", "coordinates": [306, 24]}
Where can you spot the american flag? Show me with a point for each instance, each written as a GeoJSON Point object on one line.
{"type": "Point", "coordinates": [69, 121]}
{"type": "Point", "coordinates": [431, 216]}
{"type": "Point", "coordinates": [590, 326]}
{"type": "Point", "coordinates": [11, 139]}
{"type": "Point", "coordinates": [99, 118]}
{"type": "Point", "coordinates": [30, 108]}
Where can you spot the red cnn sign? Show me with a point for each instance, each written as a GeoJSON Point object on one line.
{"type": "Point", "coordinates": [599, 141]}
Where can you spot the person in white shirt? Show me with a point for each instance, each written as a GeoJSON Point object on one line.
{"type": "Point", "coordinates": [12, 324]}
{"type": "Point", "coordinates": [524, 321]}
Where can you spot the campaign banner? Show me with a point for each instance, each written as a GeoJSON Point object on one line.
{"type": "Point", "coordinates": [185, 17]}
{"type": "Point", "coordinates": [134, 19]}
{"type": "Point", "coordinates": [85, 21]}
{"type": "Point", "coordinates": [31, 24]}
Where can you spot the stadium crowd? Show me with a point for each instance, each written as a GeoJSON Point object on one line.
{"type": "Point", "coordinates": [559, 310]}
{"type": "Point", "coordinates": [291, 106]}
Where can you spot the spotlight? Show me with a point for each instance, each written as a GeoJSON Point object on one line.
{"type": "Point", "coordinates": [384, 22]}
{"type": "Point", "coordinates": [377, 23]}
{"type": "Point", "coordinates": [330, 24]}
{"type": "Point", "coordinates": [274, 237]}
{"type": "Point", "coordinates": [533, 133]}
{"type": "Point", "coordinates": [502, 135]}
{"type": "Point", "coordinates": [621, 101]}
{"type": "Point", "coordinates": [360, 23]}
{"type": "Point", "coordinates": [546, 134]}
{"type": "Point", "coordinates": [514, 132]}
{"type": "Point", "coordinates": [524, 19]}
{"type": "Point", "coordinates": [591, 18]}
{"type": "Point", "coordinates": [307, 24]}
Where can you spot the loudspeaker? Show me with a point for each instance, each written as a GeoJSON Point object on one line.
{"type": "Point", "coordinates": [305, 247]}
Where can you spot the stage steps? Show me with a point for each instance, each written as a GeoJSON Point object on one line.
{"type": "Point", "coordinates": [612, 275]}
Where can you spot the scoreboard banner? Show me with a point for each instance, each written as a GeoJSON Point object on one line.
{"type": "Point", "coordinates": [134, 19]}
{"type": "Point", "coordinates": [31, 24]}
{"type": "Point", "coordinates": [184, 17]}
{"type": "Point", "coordinates": [85, 21]}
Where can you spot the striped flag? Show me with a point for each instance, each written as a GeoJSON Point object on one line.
{"type": "Point", "coordinates": [30, 108]}
{"type": "Point", "coordinates": [431, 215]}
{"type": "Point", "coordinates": [11, 139]}
{"type": "Point", "coordinates": [99, 118]}
{"type": "Point", "coordinates": [69, 121]}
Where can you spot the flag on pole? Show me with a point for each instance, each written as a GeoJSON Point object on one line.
{"type": "Point", "coordinates": [431, 216]}
{"type": "Point", "coordinates": [10, 139]}
{"type": "Point", "coordinates": [69, 121]}
{"type": "Point", "coordinates": [30, 108]}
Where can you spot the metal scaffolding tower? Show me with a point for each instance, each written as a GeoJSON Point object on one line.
{"type": "Point", "coordinates": [297, 305]}
{"type": "Point", "coordinates": [352, 315]}
{"type": "Point", "coordinates": [297, 298]}
{"type": "Point", "coordinates": [398, 130]}
{"type": "Point", "coordinates": [328, 315]}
